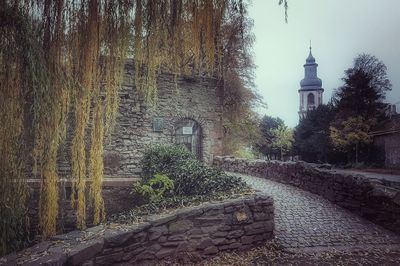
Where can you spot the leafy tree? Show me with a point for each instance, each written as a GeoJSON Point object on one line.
{"type": "Point", "coordinates": [283, 139]}
{"type": "Point", "coordinates": [312, 135]}
{"type": "Point", "coordinates": [265, 144]}
{"type": "Point", "coordinates": [359, 104]}
{"type": "Point", "coordinates": [239, 94]}
{"type": "Point", "coordinates": [364, 89]}
{"type": "Point", "coordinates": [351, 134]}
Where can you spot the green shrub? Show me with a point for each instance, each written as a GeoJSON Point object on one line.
{"type": "Point", "coordinates": [159, 158]}
{"type": "Point", "coordinates": [156, 188]}
{"type": "Point", "coordinates": [191, 177]}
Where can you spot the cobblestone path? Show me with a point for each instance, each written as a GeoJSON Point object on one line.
{"type": "Point", "coordinates": [308, 222]}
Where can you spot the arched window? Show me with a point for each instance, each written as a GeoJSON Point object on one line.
{"type": "Point", "coordinates": [188, 133]}
{"type": "Point", "coordinates": [310, 99]}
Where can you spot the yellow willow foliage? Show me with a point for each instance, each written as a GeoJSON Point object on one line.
{"type": "Point", "coordinates": [94, 28]}
{"type": "Point", "coordinates": [116, 32]}
{"type": "Point", "coordinates": [12, 185]}
{"type": "Point", "coordinates": [88, 71]}
{"type": "Point", "coordinates": [16, 76]}
{"type": "Point", "coordinates": [51, 109]}
{"type": "Point", "coordinates": [79, 162]}
{"type": "Point", "coordinates": [48, 207]}
{"type": "Point", "coordinates": [180, 36]}
{"type": "Point", "coordinates": [50, 106]}
{"type": "Point", "coordinates": [84, 43]}
{"type": "Point", "coordinates": [96, 162]}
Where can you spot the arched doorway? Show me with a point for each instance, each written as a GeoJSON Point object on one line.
{"type": "Point", "coordinates": [188, 133]}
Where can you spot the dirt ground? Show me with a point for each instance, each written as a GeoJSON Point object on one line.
{"type": "Point", "coordinates": [271, 254]}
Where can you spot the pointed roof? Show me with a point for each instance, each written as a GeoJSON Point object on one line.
{"type": "Point", "coordinates": [310, 59]}
{"type": "Point", "coordinates": [311, 79]}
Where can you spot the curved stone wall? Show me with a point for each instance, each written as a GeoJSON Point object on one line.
{"type": "Point", "coordinates": [368, 198]}
{"type": "Point", "coordinates": [190, 233]}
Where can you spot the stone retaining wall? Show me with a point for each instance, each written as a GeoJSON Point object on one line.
{"type": "Point", "coordinates": [368, 198]}
{"type": "Point", "coordinates": [188, 234]}
{"type": "Point", "coordinates": [117, 195]}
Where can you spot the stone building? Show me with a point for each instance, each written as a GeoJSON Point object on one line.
{"type": "Point", "coordinates": [188, 111]}
{"type": "Point", "coordinates": [311, 90]}
{"type": "Point", "coordinates": [386, 141]}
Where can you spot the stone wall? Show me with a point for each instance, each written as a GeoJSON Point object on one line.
{"type": "Point", "coordinates": [117, 195]}
{"type": "Point", "coordinates": [190, 234]}
{"type": "Point", "coordinates": [368, 198]}
{"type": "Point", "coordinates": [181, 97]}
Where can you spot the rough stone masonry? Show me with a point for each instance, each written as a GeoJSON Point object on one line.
{"type": "Point", "coordinates": [370, 199]}
{"type": "Point", "coordinates": [190, 233]}
{"type": "Point", "coordinates": [179, 99]}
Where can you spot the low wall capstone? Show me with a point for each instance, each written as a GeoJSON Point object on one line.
{"type": "Point", "coordinates": [368, 198]}
{"type": "Point", "coordinates": [191, 233]}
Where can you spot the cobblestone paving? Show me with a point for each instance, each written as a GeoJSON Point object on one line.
{"type": "Point", "coordinates": [307, 221]}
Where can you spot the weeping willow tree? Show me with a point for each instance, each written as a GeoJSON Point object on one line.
{"type": "Point", "coordinates": [177, 36]}
{"type": "Point", "coordinates": [18, 75]}
{"type": "Point", "coordinates": [67, 57]}
{"type": "Point", "coordinates": [50, 109]}
{"type": "Point", "coordinates": [240, 120]}
{"type": "Point", "coordinates": [63, 51]}
{"type": "Point", "coordinates": [240, 97]}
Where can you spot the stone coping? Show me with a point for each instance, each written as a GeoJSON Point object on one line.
{"type": "Point", "coordinates": [201, 231]}
{"type": "Point", "coordinates": [107, 182]}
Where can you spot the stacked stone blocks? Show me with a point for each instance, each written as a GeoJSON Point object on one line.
{"type": "Point", "coordinates": [371, 199]}
{"type": "Point", "coordinates": [188, 234]}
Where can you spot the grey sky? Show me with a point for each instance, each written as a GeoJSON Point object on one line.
{"type": "Point", "coordinates": [338, 29]}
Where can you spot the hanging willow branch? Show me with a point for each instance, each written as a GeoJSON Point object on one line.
{"type": "Point", "coordinates": [286, 6]}
{"type": "Point", "coordinates": [67, 57]}
{"type": "Point", "coordinates": [50, 107]}
{"type": "Point", "coordinates": [82, 41]}
{"type": "Point", "coordinates": [16, 76]}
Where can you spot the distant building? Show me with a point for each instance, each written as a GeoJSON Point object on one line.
{"type": "Point", "coordinates": [311, 90]}
{"type": "Point", "coordinates": [386, 141]}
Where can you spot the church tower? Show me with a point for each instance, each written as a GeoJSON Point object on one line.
{"type": "Point", "coordinates": [311, 90]}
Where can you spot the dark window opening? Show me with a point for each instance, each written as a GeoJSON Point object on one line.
{"type": "Point", "coordinates": [310, 99]}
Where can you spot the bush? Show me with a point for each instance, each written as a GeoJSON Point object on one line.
{"type": "Point", "coordinates": [190, 177]}
{"type": "Point", "coordinates": [159, 158]}
{"type": "Point", "coordinates": [156, 188]}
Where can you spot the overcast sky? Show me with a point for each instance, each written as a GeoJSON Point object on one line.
{"type": "Point", "coordinates": [338, 29]}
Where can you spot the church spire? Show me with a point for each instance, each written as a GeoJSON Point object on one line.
{"type": "Point", "coordinates": [310, 87]}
